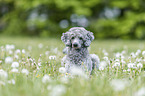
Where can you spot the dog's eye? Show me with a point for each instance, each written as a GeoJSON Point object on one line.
{"type": "Point", "coordinates": [80, 38]}
{"type": "Point", "coordinates": [72, 37]}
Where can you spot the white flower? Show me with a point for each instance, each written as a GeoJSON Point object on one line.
{"type": "Point", "coordinates": [133, 55]}
{"type": "Point", "coordinates": [14, 70]}
{"type": "Point", "coordinates": [122, 57]}
{"type": "Point", "coordinates": [140, 92]}
{"type": "Point", "coordinates": [3, 74]}
{"type": "Point", "coordinates": [117, 60]}
{"type": "Point", "coordinates": [10, 52]}
{"type": "Point", "coordinates": [18, 51]}
{"type": "Point", "coordinates": [46, 79]}
{"type": "Point", "coordinates": [138, 59]}
{"type": "Point", "coordinates": [103, 64]}
{"type": "Point", "coordinates": [62, 70]}
{"type": "Point", "coordinates": [40, 45]}
{"type": "Point", "coordinates": [23, 51]}
{"type": "Point", "coordinates": [78, 72]}
{"type": "Point", "coordinates": [138, 52]}
{"type": "Point", "coordinates": [1, 61]}
{"type": "Point", "coordinates": [117, 55]}
{"type": "Point", "coordinates": [106, 54]}
{"type": "Point", "coordinates": [47, 53]}
{"type": "Point", "coordinates": [52, 57]}
{"type": "Point", "coordinates": [105, 58]}
{"type": "Point", "coordinates": [139, 65]}
{"type": "Point", "coordinates": [8, 60]}
{"type": "Point", "coordinates": [11, 81]}
{"type": "Point", "coordinates": [25, 71]}
{"type": "Point", "coordinates": [58, 90]}
{"type": "Point", "coordinates": [16, 56]}
{"type": "Point", "coordinates": [101, 68]}
{"type": "Point", "coordinates": [10, 47]}
{"type": "Point", "coordinates": [124, 70]}
{"type": "Point", "coordinates": [131, 65]}
{"type": "Point", "coordinates": [118, 85]}
{"type": "Point", "coordinates": [143, 53]}
{"type": "Point", "coordinates": [39, 64]}
{"type": "Point", "coordinates": [128, 70]}
{"type": "Point", "coordinates": [116, 64]}
{"type": "Point", "coordinates": [122, 61]}
{"type": "Point", "coordinates": [15, 64]}
{"type": "Point", "coordinates": [123, 52]}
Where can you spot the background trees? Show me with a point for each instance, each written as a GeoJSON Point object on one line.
{"type": "Point", "coordinates": [106, 18]}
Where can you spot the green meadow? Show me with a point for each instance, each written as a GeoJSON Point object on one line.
{"type": "Point", "coordinates": [32, 67]}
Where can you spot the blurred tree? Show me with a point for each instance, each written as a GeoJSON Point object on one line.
{"type": "Point", "coordinates": [106, 18]}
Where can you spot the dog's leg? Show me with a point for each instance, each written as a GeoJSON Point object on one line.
{"type": "Point", "coordinates": [95, 60]}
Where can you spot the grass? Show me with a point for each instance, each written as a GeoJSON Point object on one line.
{"type": "Point", "coordinates": [113, 80]}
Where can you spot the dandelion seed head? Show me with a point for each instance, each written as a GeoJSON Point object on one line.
{"type": "Point", "coordinates": [11, 81]}
{"type": "Point", "coordinates": [15, 64]}
{"type": "Point", "coordinates": [131, 65]}
{"type": "Point", "coordinates": [14, 70]}
{"type": "Point", "coordinates": [101, 68]}
{"type": "Point", "coordinates": [10, 52]}
{"type": "Point", "coordinates": [8, 60]}
{"type": "Point", "coordinates": [78, 72]}
{"type": "Point", "coordinates": [143, 53]}
{"type": "Point", "coordinates": [116, 64]}
{"type": "Point", "coordinates": [139, 65]}
{"type": "Point", "coordinates": [58, 90]}
{"type": "Point", "coordinates": [52, 57]}
{"type": "Point", "coordinates": [105, 58]}
{"type": "Point", "coordinates": [46, 79]}
{"type": "Point", "coordinates": [140, 92]}
{"type": "Point", "coordinates": [25, 71]}
{"type": "Point", "coordinates": [23, 51]}
{"type": "Point", "coordinates": [118, 84]}
{"type": "Point", "coordinates": [62, 70]}
{"type": "Point", "coordinates": [18, 51]}
{"type": "Point", "coordinates": [133, 55]}
{"type": "Point", "coordinates": [3, 74]}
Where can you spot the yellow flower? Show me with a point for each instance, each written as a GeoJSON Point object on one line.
{"type": "Point", "coordinates": [37, 75]}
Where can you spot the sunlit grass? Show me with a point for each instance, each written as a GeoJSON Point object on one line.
{"type": "Point", "coordinates": [41, 57]}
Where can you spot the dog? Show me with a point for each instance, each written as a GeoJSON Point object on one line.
{"type": "Point", "coordinates": [77, 41]}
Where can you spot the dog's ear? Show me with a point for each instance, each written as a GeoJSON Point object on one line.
{"type": "Point", "coordinates": [89, 38]}
{"type": "Point", "coordinates": [65, 39]}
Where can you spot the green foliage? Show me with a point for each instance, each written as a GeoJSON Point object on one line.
{"type": "Point", "coordinates": [34, 17]}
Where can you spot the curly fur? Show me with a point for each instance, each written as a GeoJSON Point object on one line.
{"type": "Point", "coordinates": [77, 41]}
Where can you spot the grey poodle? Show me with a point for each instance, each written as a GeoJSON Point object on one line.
{"type": "Point", "coordinates": [77, 41]}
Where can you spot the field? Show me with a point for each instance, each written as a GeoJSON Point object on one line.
{"type": "Point", "coordinates": [32, 67]}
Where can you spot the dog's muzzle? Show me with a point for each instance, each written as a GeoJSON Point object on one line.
{"type": "Point", "coordinates": [75, 45]}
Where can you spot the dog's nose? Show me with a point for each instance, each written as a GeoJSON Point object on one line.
{"type": "Point", "coordinates": [75, 45]}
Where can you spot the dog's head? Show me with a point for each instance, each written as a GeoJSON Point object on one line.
{"type": "Point", "coordinates": [77, 37]}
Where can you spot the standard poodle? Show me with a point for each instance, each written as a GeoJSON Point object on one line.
{"type": "Point", "coordinates": [77, 41]}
